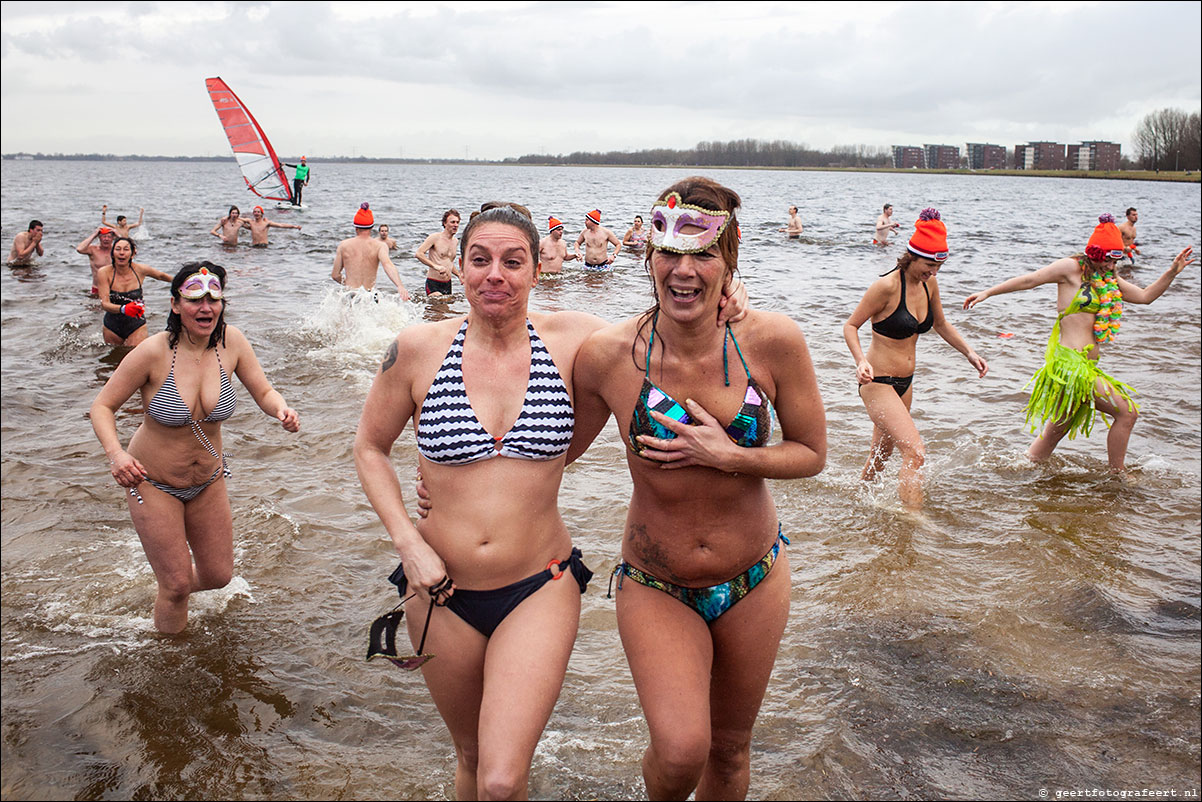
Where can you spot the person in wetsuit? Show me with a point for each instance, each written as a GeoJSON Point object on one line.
{"type": "Point", "coordinates": [902, 304]}
{"type": "Point", "coordinates": [174, 469]}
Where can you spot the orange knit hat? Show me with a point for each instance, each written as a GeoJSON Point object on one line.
{"type": "Point", "coordinates": [930, 236]}
{"type": "Point", "coordinates": [1106, 237]}
{"type": "Point", "coordinates": [595, 216]}
{"type": "Point", "coordinates": [364, 218]}
{"type": "Point", "coordinates": [553, 223]}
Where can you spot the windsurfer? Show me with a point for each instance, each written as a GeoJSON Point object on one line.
{"type": "Point", "coordinates": [228, 227]}
{"type": "Point", "coordinates": [438, 254]}
{"type": "Point", "coordinates": [258, 225]}
{"type": "Point", "coordinates": [359, 258]}
{"type": "Point", "coordinates": [300, 180]}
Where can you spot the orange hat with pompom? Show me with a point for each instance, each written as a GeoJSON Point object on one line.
{"type": "Point", "coordinates": [1106, 238]}
{"type": "Point", "coordinates": [553, 223]}
{"type": "Point", "coordinates": [364, 218]}
{"type": "Point", "coordinates": [930, 236]}
{"type": "Point", "coordinates": [595, 216]}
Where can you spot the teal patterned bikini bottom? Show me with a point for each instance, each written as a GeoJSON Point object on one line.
{"type": "Point", "coordinates": [709, 602]}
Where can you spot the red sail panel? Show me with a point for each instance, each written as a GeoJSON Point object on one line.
{"type": "Point", "coordinates": [260, 167]}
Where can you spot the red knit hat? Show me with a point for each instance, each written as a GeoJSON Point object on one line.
{"type": "Point", "coordinates": [595, 216]}
{"type": "Point", "coordinates": [553, 223]}
{"type": "Point", "coordinates": [1106, 237]}
{"type": "Point", "coordinates": [930, 236]}
{"type": "Point", "coordinates": [364, 218]}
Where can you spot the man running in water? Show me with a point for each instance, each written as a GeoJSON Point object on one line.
{"type": "Point", "coordinates": [793, 229]}
{"type": "Point", "coordinates": [121, 228]}
{"type": "Point", "coordinates": [99, 255]}
{"type": "Point", "coordinates": [360, 257]}
{"type": "Point", "coordinates": [227, 228]}
{"type": "Point", "coordinates": [26, 244]}
{"type": "Point", "coordinates": [437, 253]}
{"type": "Point", "coordinates": [553, 249]}
{"type": "Point", "coordinates": [596, 239]}
{"type": "Point", "coordinates": [1127, 229]}
{"type": "Point", "coordinates": [300, 180]}
{"type": "Point", "coordinates": [885, 226]}
{"type": "Point", "coordinates": [258, 225]}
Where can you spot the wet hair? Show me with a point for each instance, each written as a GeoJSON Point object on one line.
{"type": "Point", "coordinates": [447, 214]}
{"type": "Point", "coordinates": [232, 210]}
{"type": "Point", "coordinates": [887, 206]}
{"type": "Point", "coordinates": [120, 217]}
{"type": "Point", "coordinates": [175, 325]}
{"type": "Point", "coordinates": [133, 251]}
{"type": "Point", "coordinates": [510, 214]}
{"type": "Point", "coordinates": [708, 194]}
{"type": "Point", "coordinates": [638, 217]}
{"type": "Point", "coordinates": [35, 224]}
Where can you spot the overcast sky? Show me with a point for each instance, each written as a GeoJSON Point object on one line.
{"type": "Point", "coordinates": [492, 80]}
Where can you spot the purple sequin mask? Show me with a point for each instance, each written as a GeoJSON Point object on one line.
{"type": "Point", "coordinates": [670, 215]}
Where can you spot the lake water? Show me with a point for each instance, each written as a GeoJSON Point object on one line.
{"type": "Point", "coordinates": [1035, 627]}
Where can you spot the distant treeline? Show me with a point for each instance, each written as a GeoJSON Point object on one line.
{"type": "Point", "coordinates": [736, 153]}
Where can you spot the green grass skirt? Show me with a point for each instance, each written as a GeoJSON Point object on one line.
{"type": "Point", "coordinates": [1064, 390]}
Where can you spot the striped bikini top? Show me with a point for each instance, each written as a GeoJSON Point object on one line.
{"type": "Point", "coordinates": [448, 431]}
{"type": "Point", "coordinates": [169, 409]}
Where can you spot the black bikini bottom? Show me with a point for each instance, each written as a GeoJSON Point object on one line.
{"type": "Point", "coordinates": [486, 609]}
{"type": "Point", "coordinates": [898, 383]}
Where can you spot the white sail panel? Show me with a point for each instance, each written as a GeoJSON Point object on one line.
{"type": "Point", "coordinates": [260, 167]}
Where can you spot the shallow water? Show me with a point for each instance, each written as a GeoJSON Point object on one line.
{"type": "Point", "coordinates": [1033, 627]}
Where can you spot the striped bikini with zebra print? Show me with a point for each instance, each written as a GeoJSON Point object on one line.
{"type": "Point", "coordinates": [449, 433]}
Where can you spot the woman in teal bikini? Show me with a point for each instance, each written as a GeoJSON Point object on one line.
{"type": "Point", "coordinates": [1070, 388]}
{"type": "Point", "coordinates": [174, 469]}
{"type": "Point", "coordinates": [703, 589]}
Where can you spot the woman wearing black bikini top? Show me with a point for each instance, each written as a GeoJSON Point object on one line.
{"type": "Point", "coordinates": [119, 287]}
{"type": "Point", "coordinates": [900, 311]}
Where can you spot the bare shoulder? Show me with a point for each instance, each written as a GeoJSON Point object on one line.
{"type": "Point", "coordinates": [769, 330]}
{"type": "Point", "coordinates": [567, 322]}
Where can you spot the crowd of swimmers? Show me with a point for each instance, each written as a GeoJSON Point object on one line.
{"type": "Point", "coordinates": [503, 398]}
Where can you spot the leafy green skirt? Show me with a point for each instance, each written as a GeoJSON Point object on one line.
{"type": "Point", "coordinates": [1063, 390]}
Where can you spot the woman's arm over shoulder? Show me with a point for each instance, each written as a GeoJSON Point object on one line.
{"type": "Point", "coordinates": [595, 363]}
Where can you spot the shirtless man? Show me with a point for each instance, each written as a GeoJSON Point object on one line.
{"type": "Point", "coordinates": [383, 237]}
{"type": "Point", "coordinates": [26, 244]}
{"type": "Point", "coordinates": [1127, 229]}
{"type": "Point", "coordinates": [438, 254]}
{"type": "Point", "coordinates": [596, 239]}
{"type": "Point", "coordinates": [360, 257]}
{"type": "Point", "coordinates": [885, 226]}
{"type": "Point", "coordinates": [227, 228]}
{"type": "Point", "coordinates": [120, 228]}
{"type": "Point", "coordinates": [258, 225]}
{"type": "Point", "coordinates": [552, 250]}
{"type": "Point", "coordinates": [99, 255]}
{"type": "Point", "coordinates": [793, 229]}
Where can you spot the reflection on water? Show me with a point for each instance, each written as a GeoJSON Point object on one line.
{"type": "Point", "coordinates": [1033, 627]}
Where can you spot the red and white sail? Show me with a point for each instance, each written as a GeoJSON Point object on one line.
{"type": "Point", "coordinates": [260, 167]}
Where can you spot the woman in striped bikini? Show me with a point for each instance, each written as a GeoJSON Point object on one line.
{"type": "Point", "coordinates": [174, 468]}
{"type": "Point", "coordinates": [490, 397]}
